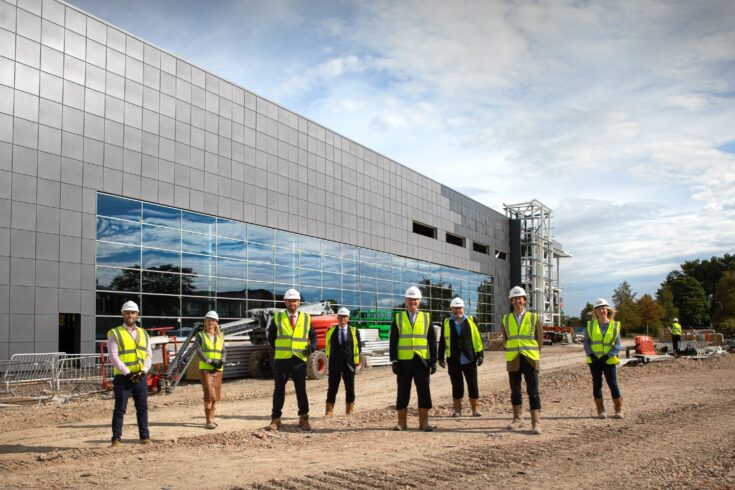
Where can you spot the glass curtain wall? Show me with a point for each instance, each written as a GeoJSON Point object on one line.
{"type": "Point", "coordinates": [177, 265]}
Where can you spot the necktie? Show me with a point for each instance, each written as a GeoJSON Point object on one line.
{"type": "Point", "coordinates": [342, 336]}
{"type": "Point", "coordinates": [293, 320]}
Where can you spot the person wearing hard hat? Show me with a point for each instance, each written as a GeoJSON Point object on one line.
{"type": "Point", "coordinates": [210, 346]}
{"type": "Point", "coordinates": [602, 345]}
{"type": "Point", "coordinates": [293, 339]}
{"type": "Point", "coordinates": [675, 330]}
{"type": "Point", "coordinates": [413, 357]}
{"type": "Point", "coordinates": [343, 351]}
{"type": "Point", "coordinates": [130, 352]}
{"type": "Point", "coordinates": [461, 344]}
{"type": "Point", "coordinates": [523, 336]}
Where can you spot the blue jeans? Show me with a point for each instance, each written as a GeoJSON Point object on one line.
{"type": "Point", "coordinates": [123, 389]}
{"type": "Point", "coordinates": [611, 376]}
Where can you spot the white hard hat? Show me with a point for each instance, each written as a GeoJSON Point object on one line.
{"type": "Point", "coordinates": [292, 294]}
{"type": "Point", "coordinates": [212, 314]}
{"type": "Point", "coordinates": [457, 303]}
{"type": "Point", "coordinates": [130, 306]}
{"type": "Point", "coordinates": [517, 291]}
{"type": "Point", "coordinates": [676, 319]}
{"type": "Point", "coordinates": [343, 312]}
{"type": "Point", "coordinates": [601, 302]}
{"type": "Point", "coordinates": [413, 293]}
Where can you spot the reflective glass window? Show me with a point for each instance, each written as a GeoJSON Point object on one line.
{"type": "Point", "coordinates": [110, 304]}
{"type": "Point", "coordinates": [197, 264]}
{"type": "Point", "coordinates": [234, 249]}
{"type": "Point", "coordinates": [310, 260]}
{"type": "Point", "coordinates": [398, 262]}
{"type": "Point", "coordinates": [349, 282]}
{"type": "Point", "coordinates": [331, 264]}
{"type": "Point", "coordinates": [424, 266]}
{"type": "Point", "coordinates": [104, 324]}
{"type": "Point", "coordinates": [117, 207]}
{"type": "Point", "coordinates": [260, 272]}
{"type": "Point", "coordinates": [397, 274]}
{"type": "Point", "coordinates": [260, 253]}
{"type": "Point", "coordinates": [310, 244]}
{"type": "Point", "coordinates": [198, 222]}
{"type": "Point", "coordinates": [285, 240]}
{"type": "Point", "coordinates": [231, 268]}
{"type": "Point", "coordinates": [155, 305]}
{"type": "Point", "coordinates": [350, 298]}
{"type": "Point", "coordinates": [368, 300]}
{"type": "Point", "coordinates": [398, 289]}
{"type": "Point", "coordinates": [287, 258]}
{"type": "Point", "coordinates": [232, 288]}
{"type": "Point", "coordinates": [197, 243]}
{"type": "Point", "coordinates": [155, 322]}
{"type": "Point", "coordinates": [310, 278]}
{"type": "Point", "coordinates": [350, 252]}
{"type": "Point", "coordinates": [115, 230]}
{"type": "Point", "coordinates": [262, 291]}
{"type": "Point", "coordinates": [334, 296]}
{"type": "Point", "coordinates": [231, 308]}
{"type": "Point", "coordinates": [118, 279]}
{"type": "Point", "coordinates": [331, 248]}
{"type": "Point", "coordinates": [382, 258]}
{"type": "Point", "coordinates": [118, 255]}
{"type": "Point", "coordinates": [159, 237]}
{"type": "Point", "coordinates": [311, 294]}
{"type": "Point", "coordinates": [285, 275]}
{"type": "Point", "coordinates": [367, 284]}
{"type": "Point", "coordinates": [367, 255]}
{"type": "Point", "coordinates": [384, 287]}
{"type": "Point", "coordinates": [162, 283]}
{"type": "Point", "coordinates": [259, 234]}
{"type": "Point", "coordinates": [161, 215]}
{"type": "Point", "coordinates": [196, 307]}
{"type": "Point", "coordinates": [331, 280]}
{"type": "Point", "coordinates": [161, 260]}
{"type": "Point", "coordinates": [231, 229]}
{"type": "Point", "coordinates": [350, 267]}
{"type": "Point", "coordinates": [198, 285]}
{"type": "Point", "coordinates": [367, 269]}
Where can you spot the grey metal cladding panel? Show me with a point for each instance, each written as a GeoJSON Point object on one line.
{"type": "Point", "coordinates": [47, 301]}
{"type": "Point", "coordinates": [22, 299]}
{"type": "Point", "coordinates": [22, 244]}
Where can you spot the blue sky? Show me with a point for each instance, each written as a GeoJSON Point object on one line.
{"type": "Point", "coordinates": [619, 116]}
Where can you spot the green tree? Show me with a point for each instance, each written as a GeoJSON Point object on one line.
{"type": "Point", "coordinates": [651, 314]}
{"type": "Point", "coordinates": [724, 299]}
{"type": "Point", "coordinates": [690, 299]}
{"type": "Point", "coordinates": [586, 314]}
{"type": "Point", "coordinates": [665, 298]}
{"type": "Point", "coordinates": [626, 307]}
{"type": "Point", "coordinates": [709, 272]}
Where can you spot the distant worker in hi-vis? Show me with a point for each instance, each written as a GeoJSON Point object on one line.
{"type": "Point", "coordinates": [523, 336]}
{"type": "Point", "coordinates": [461, 344]}
{"type": "Point", "coordinates": [675, 330]}
{"type": "Point", "coordinates": [413, 357]}
{"type": "Point", "coordinates": [343, 351]}
{"type": "Point", "coordinates": [293, 339]}
{"type": "Point", "coordinates": [602, 345]}
{"type": "Point", "coordinates": [130, 353]}
{"type": "Point", "coordinates": [210, 346]}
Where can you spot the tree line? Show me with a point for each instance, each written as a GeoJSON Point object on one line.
{"type": "Point", "coordinates": [701, 294]}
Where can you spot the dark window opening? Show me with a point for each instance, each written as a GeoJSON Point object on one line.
{"type": "Point", "coordinates": [70, 333]}
{"type": "Point", "coordinates": [422, 229]}
{"type": "Point", "coordinates": [479, 247]}
{"type": "Point", "coordinates": [455, 240]}
{"type": "Point", "coordinates": [501, 255]}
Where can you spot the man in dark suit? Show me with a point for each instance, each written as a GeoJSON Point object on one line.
{"type": "Point", "coordinates": [343, 350]}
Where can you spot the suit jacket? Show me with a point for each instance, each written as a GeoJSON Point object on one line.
{"type": "Point", "coordinates": [343, 354]}
{"type": "Point", "coordinates": [462, 342]}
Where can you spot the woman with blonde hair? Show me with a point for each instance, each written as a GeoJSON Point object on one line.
{"type": "Point", "coordinates": [210, 346]}
{"type": "Point", "coordinates": [602, 345]}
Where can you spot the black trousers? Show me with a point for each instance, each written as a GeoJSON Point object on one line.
{"type": "Point", "coordinates": [295, 369]}
{"type": "Point", "coordinates": [526, 371]}
{"type": "Point", "coordinates": [341, 371]}
{"type": "Point", "coordinates": [611, 376]}
{"type": "Point", "coordinates": [124, 389]}
{"type": "Point", "coordinates": [457, 371]}
{"type": "Point", "coordinates": [415, 371]}
{"type": "Point", "coordinates": [675, 339]}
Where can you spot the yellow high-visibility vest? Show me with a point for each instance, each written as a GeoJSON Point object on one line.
{"type": "Point", "coordinates": [676, 328]}
{"type": "Point", "coordinates": [476, 339]}
{"type": "Point", "coordinates": [292, 341]}
{"type": "Point", "coordinates": [602, 345]}
{"type": "Point", "coordinates": [211, 350]}
{"type": "Point", "coordinates": [355, 346]}
{"type": "Point", "coordinates": [133, 354]}
{"type": "Point", "coordinates": [412, 338]}
{"type": "Point", "coordinates": [521, 339]}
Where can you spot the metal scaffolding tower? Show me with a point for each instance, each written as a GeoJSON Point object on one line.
{"type": "Point", "coordinates": [539, 259]}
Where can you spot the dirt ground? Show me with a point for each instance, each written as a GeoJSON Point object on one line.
{"type": "Point", "coordinates": [678, 432]}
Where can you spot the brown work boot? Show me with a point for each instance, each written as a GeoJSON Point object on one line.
{"type": "Point", "coordinates": [402, 419]}
{"type": "Point", "coordinates": [349, 408]}
{"type": "Point", "coordinates": [304, 422]}
{"type": "Point", "coordinates": [456, 407]}
{"type": "Point", "coordinates": [329, 410]}
{"type": "Point", "coordinates": [424, 420]}
{"type": "Point", "coordinates": [600, 405]}
{"type": "Point", "coordinates": [275, 424]}
{"type": "Point", "coordinates": [475, 406]}
{"type": "Point", "coordinates": [146, 441]}
{"type": "Point", "coordinates": [115, 442]}
{"type": "Point", "coordinates": [517, 421]}
{"type": "Point", "coordinates": [618, 402]}
{"type": "Point", "coordinates": [536, 421]}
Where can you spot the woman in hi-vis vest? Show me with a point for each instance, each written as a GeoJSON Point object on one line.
{"type": "Point", "coordinates": [210, 346]}
{"type": "Point", "coordinates": [602, 345]}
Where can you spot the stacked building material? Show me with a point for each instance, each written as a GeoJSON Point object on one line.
{"type": "Point", "coordinates": [243, 360]}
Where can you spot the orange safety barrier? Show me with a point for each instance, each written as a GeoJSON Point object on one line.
{"type": "Point", "coordinates": [644, 345]}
